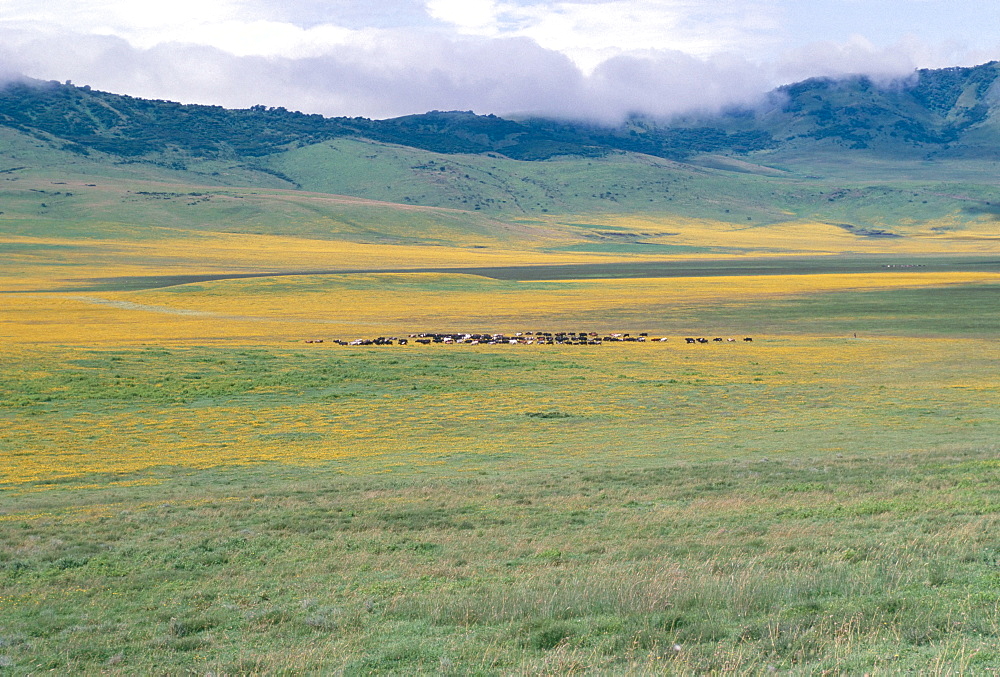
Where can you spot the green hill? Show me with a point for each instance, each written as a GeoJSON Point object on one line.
{"type": "Point", "coordinates": [948, 110]}
{"type": "Point", "coordinates": [82, 120]}
{"type": "Point", "coordinates": [940, 112]}
{"type": "Point", "coordinates": [876, 161]}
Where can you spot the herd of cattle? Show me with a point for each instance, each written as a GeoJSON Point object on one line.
{"type": "Point", "coordinates": [568, 338]}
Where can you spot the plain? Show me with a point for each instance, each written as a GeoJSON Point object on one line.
{"type": "Point", "coordinates": [189, 487]}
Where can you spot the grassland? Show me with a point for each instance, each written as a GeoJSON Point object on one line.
{"type": "Point", "coordinates": [270, 508]}
{"type": "Point", "coordinates": [199, 491]}
{"type": "Point", "coordinates": [185, 486]}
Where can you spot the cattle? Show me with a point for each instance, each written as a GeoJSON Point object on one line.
{"type": "Point", "coordinates": [571, 338]}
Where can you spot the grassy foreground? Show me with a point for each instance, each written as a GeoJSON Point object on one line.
{"type": "Point", "coordinates": [843, 564]}
{"type": "Point", "coordinates": [801, 503]}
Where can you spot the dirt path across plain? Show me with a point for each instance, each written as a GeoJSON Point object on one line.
{"type": "Point", "coordinates": [811, 265]}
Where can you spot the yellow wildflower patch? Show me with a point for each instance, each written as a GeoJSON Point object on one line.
{"type": "Point", "coordinates": [452, 408]}
{"type": "Point", "coordinates": [350, 306]}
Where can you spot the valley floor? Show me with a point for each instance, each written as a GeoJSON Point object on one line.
{"type": "Point", "coordinates": [187, 486]}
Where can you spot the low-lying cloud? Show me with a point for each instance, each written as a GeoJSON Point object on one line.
{"type": "Point", "coordinates": [399, 72]}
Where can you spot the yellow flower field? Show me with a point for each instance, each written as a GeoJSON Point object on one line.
{"type": "Point", "coordinates": [99, 410]}
{"type": "Point", "coordinates": [350, 306]}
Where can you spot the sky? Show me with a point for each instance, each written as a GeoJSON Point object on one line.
{"type": "Point", "coordinates": [582, 59]}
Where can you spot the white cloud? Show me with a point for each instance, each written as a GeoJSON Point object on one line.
{"type": "Point", "coordinates": [671, 83]}
{"type": "Point", "coordinates": [397, 76]}
{"type": "Point", "coordinates": [477, 17]}
{"type": "Point", "coordinates": [229, 25]}
{"type": "Point", "coordinates": [592, 31]}
{"type": "Point", "coordinates": [595, 58]}
{"type": "Point", "coordinates": [118, 17]}
{"type": "Point", "coordinates": [858, 55]}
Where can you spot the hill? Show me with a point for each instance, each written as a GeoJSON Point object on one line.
{"type": "Point", "coordinates": [949, 110]}
{"type": "Point", "coordinates": [83, 120]}
{"type": "Point", "coordinates": [876, 162]}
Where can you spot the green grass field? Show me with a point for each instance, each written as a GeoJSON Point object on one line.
{"type": "Point", "coordinates": [804, 503]}
{"type": "Point", "coordinates": [187, 487]}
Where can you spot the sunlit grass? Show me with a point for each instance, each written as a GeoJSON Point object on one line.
{"type": "Point", "coordinates": [927, 236]}
{"type": "Point", "coordinates": [86, 411]}
{"type": "Point", "coordinates": [281, 309]}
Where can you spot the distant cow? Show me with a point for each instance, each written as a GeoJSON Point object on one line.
{"type": "Point", "coordinates": [690, 340]}
{"type": "Point", "coordinates": [748, 339]}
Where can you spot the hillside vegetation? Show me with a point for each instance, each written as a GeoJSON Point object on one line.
{"type": "Point", "coordinates": [934, 111]}
{"type": "Point", "coordinates": [877, 162]}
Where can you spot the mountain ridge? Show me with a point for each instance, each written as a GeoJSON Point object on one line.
{"type": "Point", "coordinates": [936, 111]}
{"type": "Point", "coordinates": [869, 159]}
{"type": "Point", "coordinates": [84, 119]}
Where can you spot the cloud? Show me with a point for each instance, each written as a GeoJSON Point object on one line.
{"type": "Point", "coordinates": [594, 59]}
{"type": "Point", "coordinates": [590, 31]}
{"type": "Point", "coordinates": [236, 27]}
{"type": "Point", "coordinates": [665, 84]}
{"type": "Point", "coordinates": [478, 17]}
{"type": "Point", "coordinates": [395, 75]}
{"type": "Point", "coordinates": [857, 56]}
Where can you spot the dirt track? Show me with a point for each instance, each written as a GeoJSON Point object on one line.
{"type": "Point", "coordinates": [785, 265]}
